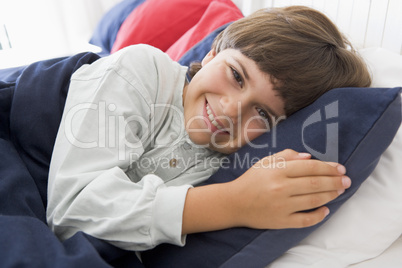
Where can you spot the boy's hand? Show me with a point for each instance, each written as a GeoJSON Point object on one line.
{"type": "Point", "coordinates": [274, 192]}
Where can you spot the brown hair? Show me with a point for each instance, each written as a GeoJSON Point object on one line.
{"type": "Point", "coordinates": [300, 48]}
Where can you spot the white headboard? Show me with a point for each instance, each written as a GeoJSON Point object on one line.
{"type": "Point", "coordinates": [367, 23]}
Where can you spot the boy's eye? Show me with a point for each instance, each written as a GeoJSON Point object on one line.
{"type": "Point", "coordinates": [237, 77]}
{"type": "Point", "coordinates": [264, 115]}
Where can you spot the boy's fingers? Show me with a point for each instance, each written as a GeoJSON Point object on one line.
{"type": "Point", "coordinates": [304, 168]}
{"type": "Point", "coordinates": [312, 201]}
{"type": "Point", "coordinates": [288, 155]}
{"type": "Point", "coordinates": [315, 184]}
{"type": "Point", "coordinates": [307, 219]}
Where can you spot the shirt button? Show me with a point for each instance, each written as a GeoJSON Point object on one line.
{"type": "Point", "coordinates": [187, 146]}
{"type": "Point", "coordinates": [173, 162]}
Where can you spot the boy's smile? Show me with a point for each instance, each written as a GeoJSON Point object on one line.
{"type": "Point", "coordinates": [214, 124]}
{"type": "Point", "coordinates": [229, 102]}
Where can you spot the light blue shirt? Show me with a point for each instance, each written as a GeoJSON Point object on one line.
{"type": "Point", "coordinates": [122, 162]}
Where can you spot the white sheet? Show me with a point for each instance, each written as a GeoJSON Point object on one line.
{"type": "Point", "coordinates": [390, 258]}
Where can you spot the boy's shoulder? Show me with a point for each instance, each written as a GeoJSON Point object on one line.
{"type": "Point", "coordinates": [132, 62]}
{"type": "Point", "coordinates": [140, 49]}
{"type": "Point", "coordinates": [144, 60]}
{"type": "Point", "coordinates": [141, 53]}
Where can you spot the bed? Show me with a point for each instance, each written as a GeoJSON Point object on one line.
{"type": "Point", "coordinates": [365, 225]}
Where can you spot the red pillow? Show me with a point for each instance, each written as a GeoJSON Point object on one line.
{"type": "Point", "coordinates": [218, 13]}
{"type": "Point", "coordinates": [159, 22]}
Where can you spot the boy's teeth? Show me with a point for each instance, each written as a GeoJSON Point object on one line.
{"type": "Point", "coordinates": [212, 118]}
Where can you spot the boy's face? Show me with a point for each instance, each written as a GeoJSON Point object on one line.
{"type": "Point", "coordinates": [229, 102]}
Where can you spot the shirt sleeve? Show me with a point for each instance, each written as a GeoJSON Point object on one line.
{"type": "Point", "coordinates": [103, 131]}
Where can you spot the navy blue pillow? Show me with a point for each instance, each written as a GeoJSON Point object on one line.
{"type": "Point", "coordinates": [106, 31]}
{"type": "Point", "coordinates": [352, 126]}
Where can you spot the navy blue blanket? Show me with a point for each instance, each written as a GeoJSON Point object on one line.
{"type": "Point", "coordinates": [31, 105]}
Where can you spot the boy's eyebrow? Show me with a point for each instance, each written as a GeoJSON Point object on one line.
{"type": "Point", "coordinates": [242, 68]}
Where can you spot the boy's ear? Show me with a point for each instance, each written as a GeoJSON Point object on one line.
{"type": "Point", "coordinates": [211, 54]}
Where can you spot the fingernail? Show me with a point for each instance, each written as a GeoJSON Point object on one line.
{"type": "Point", "coordinates": [346, 182]}
{"type": "Point", "coordinates": [304, 155]}
{"type": "Point", "coordinates": [326, 212]}
{"type": "Point", "coordinates": [341, 169]}
{"type": "Point", "coordinates": [341, 191]}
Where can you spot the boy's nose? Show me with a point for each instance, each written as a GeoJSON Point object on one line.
{"type": "Point", "coordinates": [232, 107]}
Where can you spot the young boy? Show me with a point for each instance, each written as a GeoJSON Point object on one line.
{"type": "Point", "coordinates": [135, 135]}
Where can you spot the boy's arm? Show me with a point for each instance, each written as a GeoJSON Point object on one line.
{"type": "Point", "coordinates": [267, 196]}
{"type": "Point", "coordinates": [89, 187]}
